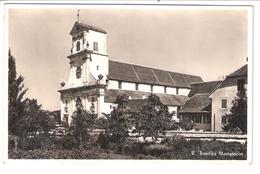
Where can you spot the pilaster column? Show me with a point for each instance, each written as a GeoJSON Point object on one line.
{"type": "Point", "coordinates": [100, 102]}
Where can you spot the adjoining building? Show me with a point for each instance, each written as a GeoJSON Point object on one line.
{"type": "Point", "coordinates": [197, 109]}
{"type": "Point", "coordinates": [96, 81]}
{"type": "Point", "coordinates": [223, 96]}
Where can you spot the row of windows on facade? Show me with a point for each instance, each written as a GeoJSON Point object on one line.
{"type": "Point", "coordinates": [78, 100]}
{"type": "Point", "coordinates": [201, 119]}
{"type": "Point", "coordinates": [95, 46]}
{"type": "Point", "coordinates": [151, 87]}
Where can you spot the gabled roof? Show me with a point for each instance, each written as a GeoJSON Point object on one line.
{"type": "Point", "coordinates": [139, 74]}
{"type": "Point", "coordinates": [197, 103]}
{"type": "Point", "coordinates": [203, 87]}
{"type": "Point", "coordinates": [166, 99]}
{"type": "Point", "coordinates": [231, 79]}
{"type": "Point", "coordinates": [78, 27]}
{"type": "Point", "coordinates": [240, 72]}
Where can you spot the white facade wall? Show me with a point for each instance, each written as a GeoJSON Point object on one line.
{"type": "Point", "coordinates": [228, 93]}
{"type": "Point", "coordinates": [70, 107]}
{"type": "Point", "coordinates": [99, 65]}
{"type": "Point", "coordinates": [144, 88]}
{"type": "Point", "coordinates": [100, 38]}
{"type": "Point", "coordinates": [107, 107]}
{"type": "Point", "coordinates": [128, 86]}
{"type": "Point", "coordinates": [183, 91]}
{"type": "Point", "coordinates": [171, 90]}
{"type": "Point", "coordinates": [158, 89]}
{"type": "Point", "coordinates": [112, 84]}
{"type": "Point", "coordinates": [91, 37]}
{"type": "Point", "coordinates": [73, 81]}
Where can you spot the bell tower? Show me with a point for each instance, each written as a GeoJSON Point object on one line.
{"type": "Point", "coordinates": [88, 62]}
{"type": "Point", "coordinates": [88, 55]}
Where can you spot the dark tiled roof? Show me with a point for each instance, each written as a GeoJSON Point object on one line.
{"type": "Point", "coordinates": [166, 99]}
{"type": "Point", "coordinates": [82, 27]}
{"type": "Point", "coordinates": [204, 87]}
{"type": "Point", "coordinates": [240, 72]}
{"type": "Point", "coordinates": [140, 74]}
{"type": "Point", "coordinates": [197, 103]}
{"type": "Point", "coordinates": [231, 79]}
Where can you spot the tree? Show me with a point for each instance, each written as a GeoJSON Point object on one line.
{"type": "Point", "coordinates": [82, 122]}
{"type": "Point", "coordinates": [35, 119]}
{"type": "Point", "coordinates": [16, 93]}
{"type": "Point", "coordinates": [154, 118]}
{"type": "Point", "coordinates": [237, 118]}
{"type": "Point", "coordinates": [118, 120]}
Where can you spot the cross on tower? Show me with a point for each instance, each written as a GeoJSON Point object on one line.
{"type": "Point", "coordinates": [78, 15]}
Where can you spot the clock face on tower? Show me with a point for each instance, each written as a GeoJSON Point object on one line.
{"type": "Point", "coordinates": [78, 72]}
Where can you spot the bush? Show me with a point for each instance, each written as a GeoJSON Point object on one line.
{"type": "Point", "coordinates": [100, 123]}
{"type": "Point", "coordinates": [157, 150]}
{"type": "Point", "coordinates": [67, 142]}
{"type": "Point", "coordinates": [40, 141]}
{"type": "Point", "coordinates": [103, 140]}
{"type": "Point", "coordinates": [55, 154]}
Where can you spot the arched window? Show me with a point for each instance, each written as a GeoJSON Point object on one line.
{"type": "Point", "coordinates": [78, 45]}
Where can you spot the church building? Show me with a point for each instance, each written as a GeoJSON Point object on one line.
{"type": "Point", "coordinates": [95, 80]}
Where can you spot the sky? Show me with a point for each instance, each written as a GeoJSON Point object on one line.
{"type": "Point", "coordinates": [207, 42]}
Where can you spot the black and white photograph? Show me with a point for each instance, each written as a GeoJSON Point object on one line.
{"type": "Point", "coordinates": [140, 82]}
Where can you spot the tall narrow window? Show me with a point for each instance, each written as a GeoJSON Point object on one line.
{"type": "Point", "coordinates": [78, 46]}
{"type": "Point", "coordinates": [224, 103]}
{"type": "Point", "coordinates": [177, 91]}
{"type": "Point", "coordinates": [240, 84]}
{"type": "Point", "coordinates": [224, 119]}
{"type": "Point", "coordinates": [95, 46]}
{"type": "Point", "coordinates": [66, 106]}
{"type": "Point", "coordinates": [197, 119]}
{"type": "Point", "coordinates": [136, 87]}
{"type": "Point", "coordinates": [206, 119]}
{"type": "Point", "coordinates": [165, 89]}
{"type": "Point", "coordinates": [66, 118]}
{"type": "Point", "coordinates": [151, 88]}
{"type": "Point", "coordinates": [120, 85]}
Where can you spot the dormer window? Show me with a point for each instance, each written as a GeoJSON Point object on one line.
{"type": "Point", "coordinates": [95, 46]}
{"type": "Point", "coordinates": [78, 46]}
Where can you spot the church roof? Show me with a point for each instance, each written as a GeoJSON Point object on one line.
{"type": "Point", "coordinates": [78, 27]}
{"type": "Point", "coordinates": [197, 103]}
{"type": "Point", "coordinates": [203, 87]}
{"type": "Point", "coordinates": [166, 99]}
{"type": "Point", "coordinates": [139, 74]}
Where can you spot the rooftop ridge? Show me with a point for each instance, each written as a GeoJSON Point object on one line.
{"type": "Point", "coordinates": [155, 68]}
{"type": "Point", "coordinates": [195, 83]}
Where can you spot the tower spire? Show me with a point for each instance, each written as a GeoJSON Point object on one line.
{"type": "Point", "coordinates": [78, 15]}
